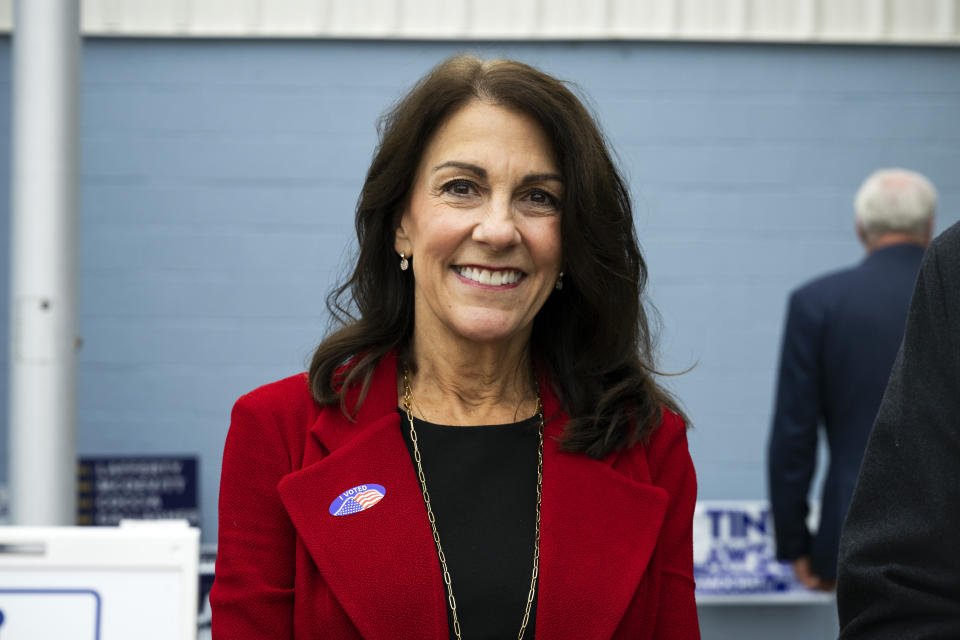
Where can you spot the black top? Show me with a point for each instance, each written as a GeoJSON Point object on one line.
{"type": "Point", "coordinates": [483, 490]}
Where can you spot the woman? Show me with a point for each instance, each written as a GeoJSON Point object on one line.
{"type": "Point", "coordinates": [481, 450]}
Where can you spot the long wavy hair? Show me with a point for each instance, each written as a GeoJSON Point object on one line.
{"type": "Point", "coordinates": [594, 336]}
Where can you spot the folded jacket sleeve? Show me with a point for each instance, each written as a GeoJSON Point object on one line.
{"type": "Point", "coordinates": [672, 469]}
{"type": "Point", "coordinates": [899, 570]}
{"type": "Point", "coordinates": [252, 593]}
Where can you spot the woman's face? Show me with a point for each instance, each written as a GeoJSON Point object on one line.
{"type": "Point", "coordinates": [482, 227]}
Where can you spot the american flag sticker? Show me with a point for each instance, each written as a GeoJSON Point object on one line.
{"type": "Point", "coordinates": [359, 498]}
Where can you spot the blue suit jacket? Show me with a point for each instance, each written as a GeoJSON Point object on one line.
{"type": "Point", "coordinates": [840, 341]}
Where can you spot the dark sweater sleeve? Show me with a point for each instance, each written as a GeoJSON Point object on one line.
{"type": "Point", "coordinates": [899, 572]}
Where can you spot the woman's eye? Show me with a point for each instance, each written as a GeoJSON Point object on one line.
{"type": "Point", "coordinates": [542, 198]}
{"type": "Point", "coordinates": [459, 188]}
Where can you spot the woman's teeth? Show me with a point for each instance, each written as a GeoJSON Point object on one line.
{"type": "Point", "coordinates": [495, 278]}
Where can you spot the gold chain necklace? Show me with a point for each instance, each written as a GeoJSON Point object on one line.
{"type": "Point", "coordinates": [408, 407]}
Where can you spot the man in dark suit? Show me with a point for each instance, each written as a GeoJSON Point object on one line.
{"type": "Point", "coordinates": [899, 565]}
{"type": "Point", "coordinates": [840, 341]}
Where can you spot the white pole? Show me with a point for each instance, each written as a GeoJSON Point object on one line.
{"type": "Point", "coordinates": [43, 254]}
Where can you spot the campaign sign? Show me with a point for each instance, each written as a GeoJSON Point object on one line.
{"type": "Point", "coordinates": [111, 489]}
{"type": "Point", "coordinates": [734, 553]}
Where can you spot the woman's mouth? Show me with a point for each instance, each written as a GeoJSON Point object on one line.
{"type": "Point", "coordinates": [490, 277]}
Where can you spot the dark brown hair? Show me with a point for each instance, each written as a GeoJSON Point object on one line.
{"type": "Point", "coordinates": [593, 336]}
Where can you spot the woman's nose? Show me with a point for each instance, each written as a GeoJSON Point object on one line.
{"type": "Point", "coordinates": [497, 226]}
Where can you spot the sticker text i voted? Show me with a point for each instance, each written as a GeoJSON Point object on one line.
{"type": "Point", "coordinates": [356, 499]}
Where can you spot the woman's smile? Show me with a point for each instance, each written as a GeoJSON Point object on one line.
{"type": "Point", "coordinates": [489, 277]}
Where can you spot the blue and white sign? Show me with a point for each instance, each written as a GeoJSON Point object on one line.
{"type": "Point", "coordinates": [734, 555]}
{"type": "Point", "coordinates": [115, 488]}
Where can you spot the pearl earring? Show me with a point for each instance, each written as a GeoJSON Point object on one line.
{"type": "Point", "coordinates": [559, 284]}
{"type": "Point", "coordinates": [404, 263]}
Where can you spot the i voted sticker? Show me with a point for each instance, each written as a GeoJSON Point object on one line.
{"type": "Point", "coordinates": [359, 498]}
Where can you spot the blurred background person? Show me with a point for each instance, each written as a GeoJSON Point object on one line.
{"type": "Point", "coordinates": [899, 573]}
{"type": "Point", "coordinates": [841, 338]}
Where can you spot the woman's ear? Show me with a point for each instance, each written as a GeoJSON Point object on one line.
{"type": "Point", "coordinates": [401, 240]}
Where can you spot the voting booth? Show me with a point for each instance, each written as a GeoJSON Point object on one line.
{"type": "Point", "coordinates": [138, 580]}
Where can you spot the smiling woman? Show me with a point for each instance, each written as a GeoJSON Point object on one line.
{"type": "Point", "coordinates": [482, 228]}
{"type": "Point", "coordinates": [482, 440]}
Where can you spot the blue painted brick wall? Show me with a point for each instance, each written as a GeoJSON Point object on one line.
{"type": "Point", "coordinates": [219, 179]}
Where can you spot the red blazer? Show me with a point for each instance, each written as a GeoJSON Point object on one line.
{"type": "Point", "coordinates": [616, 550]}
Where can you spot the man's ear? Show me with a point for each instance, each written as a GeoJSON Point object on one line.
{"type": "Point", "coordinates": [862, 236]}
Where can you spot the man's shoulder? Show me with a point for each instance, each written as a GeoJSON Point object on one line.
{"type": "Point", "coordinates": [941, 267]}
{"type": "Point", "coordinates": [875, 271]}
{"type": "Point", "coordinates": [831, 284]}
{"type": "Point", "coordinates": [948, 242]}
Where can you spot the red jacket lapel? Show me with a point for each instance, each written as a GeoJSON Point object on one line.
{"type": "Point", "coordinates": [380, 563]}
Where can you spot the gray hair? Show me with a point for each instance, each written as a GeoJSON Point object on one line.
{"type": "Point", "coordinates": [895, 201]}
